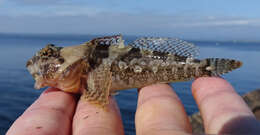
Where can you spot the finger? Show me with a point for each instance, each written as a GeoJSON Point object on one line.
{"type": "Point", "coordinates": [159, 111]}
{"type": "Point", "coordinates": [222, 109]}
{"type": "Point", "coordinates": [50, 114]}
{"type": "Point", "coordinates": [90, 119]}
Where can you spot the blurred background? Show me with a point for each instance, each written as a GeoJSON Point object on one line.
{"type": "Point", "coordinates": [225, 29]}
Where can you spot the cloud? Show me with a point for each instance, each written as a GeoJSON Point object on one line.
{"type": "Point", "coordinates": [222, 22]}
{"type": "Point", "coordinates": [74, 18]}
{"type": "Point", "coordinates": [47, 8]}
{"type": "Point", "coordinates": [35, 2]}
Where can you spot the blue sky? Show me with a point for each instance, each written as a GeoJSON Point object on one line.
{"type": "Point", "coordinates": [188, 19]}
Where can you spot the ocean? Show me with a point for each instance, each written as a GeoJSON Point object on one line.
{"type": "Point", "coordinates": [16, 84]}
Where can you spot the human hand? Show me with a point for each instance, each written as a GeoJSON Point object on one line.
{"type": "Point", "coordinates": [159, 111]}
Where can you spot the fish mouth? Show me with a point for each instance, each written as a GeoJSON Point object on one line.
{"type": "Point", "coordinates": [39, 83]}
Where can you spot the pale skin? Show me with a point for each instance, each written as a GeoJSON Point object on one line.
{"type": "Point", "coordinates": [159, 112]}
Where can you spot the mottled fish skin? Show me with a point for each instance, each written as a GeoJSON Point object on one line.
{"type": "Point", "coordinates": [102, 66]}
{"type": "Point", "coordinates": [139, 68]}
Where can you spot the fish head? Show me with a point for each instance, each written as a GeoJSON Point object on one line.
{"type": "Point", "coordinates": [57, 67]}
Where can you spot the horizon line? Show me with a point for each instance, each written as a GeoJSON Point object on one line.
{"type": "Point", "coordinates": [127, 35]}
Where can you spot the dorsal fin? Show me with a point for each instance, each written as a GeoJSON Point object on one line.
{"type": "Point", "coordinates": [166, 45]}
{"type": "Point", "coordinates": [108, 40]}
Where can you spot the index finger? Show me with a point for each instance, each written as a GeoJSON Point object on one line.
{"type": "Point", "coordinates": [222, 109]}
{"type": "Point", "coordinates": [51, 113]}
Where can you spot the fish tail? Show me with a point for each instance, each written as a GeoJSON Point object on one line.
{"type": "Point", "coordinates": [219, 66]}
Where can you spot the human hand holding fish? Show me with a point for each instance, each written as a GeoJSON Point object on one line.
{"type": "Point", "coordinates": [159, 111]}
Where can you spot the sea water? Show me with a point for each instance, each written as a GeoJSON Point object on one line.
{"type": "Point", "coordinates": [16, 84]}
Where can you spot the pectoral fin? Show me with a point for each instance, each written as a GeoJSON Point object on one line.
{"type": "Point", "coordinates": [98, 86]}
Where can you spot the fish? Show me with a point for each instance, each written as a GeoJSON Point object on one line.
{"type": "Point", "coordinates": [103, 66]}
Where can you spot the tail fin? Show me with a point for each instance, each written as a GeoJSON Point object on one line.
{"type": "Point", "coordinates": [219, 66]}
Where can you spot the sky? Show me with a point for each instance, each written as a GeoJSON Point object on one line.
{"type": "Point", "coordinates": [188, 19]}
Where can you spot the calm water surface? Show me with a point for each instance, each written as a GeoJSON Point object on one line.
{"type": "Point", "coordinates": [16, 84]}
